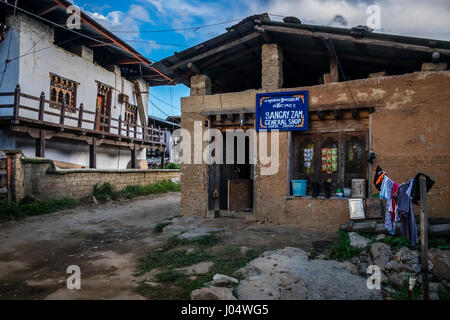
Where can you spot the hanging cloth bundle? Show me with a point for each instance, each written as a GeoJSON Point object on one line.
{"type": "Point", "coordinates": [400, 199]}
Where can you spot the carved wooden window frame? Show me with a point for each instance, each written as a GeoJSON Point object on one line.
{"type": "Point", "coordinates": [63, 88]}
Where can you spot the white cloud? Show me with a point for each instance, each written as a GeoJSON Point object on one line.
{"type": "Point", "coordinates": [417, 18]}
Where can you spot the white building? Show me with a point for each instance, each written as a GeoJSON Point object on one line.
{"type": "Point", "coordinates": [99, 79]}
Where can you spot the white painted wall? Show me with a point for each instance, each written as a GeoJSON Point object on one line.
{"type": "Point", "coordinates": [32, 72]}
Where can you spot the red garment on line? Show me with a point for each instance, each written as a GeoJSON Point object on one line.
{"type": "Point", "coordinates": [393, 205]}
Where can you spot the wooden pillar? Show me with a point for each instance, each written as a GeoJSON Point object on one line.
{"type": "Point", "coordinates": [163, 156]}
{"type": "Point", "coordinates": [16, 104]}
{"type": "Point", "coordinates": [40, 144]}
{"type": "Point", "coordinates": [80, 116]}
{"type": "Point", "coordinates": [334, 70]}
{"type": "Point", "coordinates": [62, 112]}
{"type": "Point", "coordinates": [424, 236]}
{"type": "Point", "coordinates": [119, 131]}
{"type": "Point", "coordinates": [41, 106]}
{"type": "Point", "coordinates": [93, 154]}
{"type": "Point", "coordinates": [134, 157]}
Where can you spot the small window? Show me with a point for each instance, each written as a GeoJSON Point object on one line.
{"type": "Point", "coordinates": [130, 113]}
{"type": "Point", "coordinates": [62, 89]}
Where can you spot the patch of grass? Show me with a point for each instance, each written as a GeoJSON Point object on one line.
{"type": "Point", "coordinates": [403, 293]}
{"type": "Point", "coordinates": [444, 294]}
{"type": "Point", "coordinates": [397, 242]}
{"type": "Point", "coordinates": [342, 250]}
{"type": "Point", "coordinates": [175, 284]}
{"type": "Point", "coordinates": [439, 242]}
{"type": "Point", "coordinates": [170, 276]}
{"type": "Point", "coordinates": [172, 166]}
{"type": "Point", "coordinates": [160, 226]}
{"type": "Point", "coordinates": [106, 191]}
{"type": "Point", "coordinates": [16, 211]}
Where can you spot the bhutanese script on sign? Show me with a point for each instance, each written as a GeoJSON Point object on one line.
{"type": "Point", "coordinates": [286, 111]}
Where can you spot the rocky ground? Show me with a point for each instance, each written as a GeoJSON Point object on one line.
{"type": "Point", "coordinates": [140, 249]}
{"type": "Point", "coordinates": [398, 263]}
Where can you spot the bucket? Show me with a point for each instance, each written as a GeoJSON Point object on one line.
{"type": "Point", "coordinates": [299, 187]}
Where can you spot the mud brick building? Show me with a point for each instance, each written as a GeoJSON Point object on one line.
{"type": "Point", "coordinates": [367, 91]}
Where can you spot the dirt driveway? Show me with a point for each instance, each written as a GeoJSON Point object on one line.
{"type": "Point", "coordinates": [106, 241]}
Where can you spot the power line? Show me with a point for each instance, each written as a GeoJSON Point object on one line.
{"type": "Point", "coordinates": [71, 30]}
{"type": "Point", "coordinates": [162, 101]}
{"type": "Point", "coordinates": [194, 28]}
{"type": "Point", "coordinates": [9, 44]}
{"type": "Point", "coordinates": [158, 108]}
{"type": "Point", "coordinates": [42, 49]}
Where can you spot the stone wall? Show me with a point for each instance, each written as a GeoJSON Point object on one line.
{"type": "Point", "coordinates": [409, 130]}
{"type": "Point", "coordinates": [41, 179]}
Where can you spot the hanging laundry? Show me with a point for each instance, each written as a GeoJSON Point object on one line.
{"type": "Point", "coordinates": [378, 179]}
{"type": "Point", "coordinates": [404, 212]}
{"type": "Point", "coordinates": [392, 203]}
{"type": "Point", "coordinates": [415, 191]}
{"type": "Point", "coordinates": [386, 193]}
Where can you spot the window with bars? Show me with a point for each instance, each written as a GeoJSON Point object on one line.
{"type": "Point", "coordinates": [62, 89]}
{"type": "Point", "coordinates": [130, 113]}
{"type": "Point", "coordinates": [338, 157]}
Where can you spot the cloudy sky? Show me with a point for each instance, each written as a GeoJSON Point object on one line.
{"type": "Point", "coordinates": [158, 28]}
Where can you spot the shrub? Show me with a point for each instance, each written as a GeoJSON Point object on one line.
{"type": "Point", "coordinates": [15, 211]}
{"type": "Point", "coordinates": [172, 165]}
{"type": "Point", "coordinates": [342, 250]}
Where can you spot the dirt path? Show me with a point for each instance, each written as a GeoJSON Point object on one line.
{"type": "Point", "coordinates": [106, 241]}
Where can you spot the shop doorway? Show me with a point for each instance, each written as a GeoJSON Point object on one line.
{"type": "Point", "coordinates": [230, 190]}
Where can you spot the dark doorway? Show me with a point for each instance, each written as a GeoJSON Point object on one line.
{"type": "Point", "coordinates": [231, 185]}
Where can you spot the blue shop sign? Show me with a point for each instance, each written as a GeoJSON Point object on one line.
{"type": "Point", "coordinates": [284, 111]}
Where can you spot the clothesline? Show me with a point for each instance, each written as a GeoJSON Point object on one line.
{"type": "Point", "coordinates": [400, 198]}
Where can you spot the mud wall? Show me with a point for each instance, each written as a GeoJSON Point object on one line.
{"type": "Point", "coordinates": [410, 130]}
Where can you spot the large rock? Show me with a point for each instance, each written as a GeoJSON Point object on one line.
{"type": "Point", "coordinates": [381, 254]}
{"type": "Point", "coordinates": [212, 293]}
{"type": "Point", "coordinates": [441, 263]}
{"type": "Point", "coordinates": [358, 241]}
{"type": "Point", "coordinates": [289, 274]}
{"type": "Point", "coordinates": [222, 280]}
{"type": "Point", "coordinates": [400, 279]}
{"type": "Point", "coordinates": [409, 258]}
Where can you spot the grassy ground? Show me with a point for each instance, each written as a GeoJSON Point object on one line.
{"type": "Point", "coordinates": [107, 191]}
{"type": "Point", "coordinates": [174, 284]}
{"type": "Point", "coordinates": [16, 211]}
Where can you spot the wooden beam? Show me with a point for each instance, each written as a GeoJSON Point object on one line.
{"type": "Point", "coordinates": [224, 47]}
{"type": "Point", "coordinates": [98, 44]}
{"type": "Point", "coordinates": [47, 10]}
{"type": "Point", "coordinates": [368, 41]}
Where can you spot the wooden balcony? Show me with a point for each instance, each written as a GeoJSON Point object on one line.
{"type": "Point", "coordinates": [30, 115]}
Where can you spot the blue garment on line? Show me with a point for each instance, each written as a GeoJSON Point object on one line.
{"type": "Point", "coordinates": [386, 193]}
{"type": "Point", "coordinates": [405, 213]}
